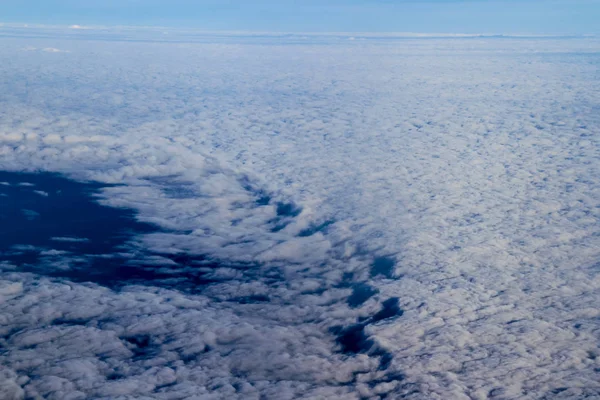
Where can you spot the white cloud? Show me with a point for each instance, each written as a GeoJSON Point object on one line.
{"type": "Point", "coordinates": [54, 50]}
{"type": "Point", "coordinates": [69, 239]}
{"type": "Point", "coordinates": [471, 163]}
{"type": "Point", "coordinates": [11, 137]}
{"type": "Point", "coordinates": [30, 214]}
{"type": "Point", "coordinates": [45, 49]}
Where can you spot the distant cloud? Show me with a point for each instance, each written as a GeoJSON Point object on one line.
{"type": "Point", "coordinates": [69, 239]}
{"type": "Point", "coordinates": [54, 50]}
{"type": "Point", "coordinates": [45, 50]}
{"type": "Point", "coordinates": [30, 214]}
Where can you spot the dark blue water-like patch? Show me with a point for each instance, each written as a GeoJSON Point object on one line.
{"type": "Point", "coordinates": [288, 210]}
{"type": "Point", "coordinates": [253, 299]}
{"type": "Point", "coordinates": [141, 346]}
{"type": "Point", "coordinates": [389, 309]}
{"type": "Point", "coordinates": [383, 266]}
{"type": "Point", "coordinates": [285, 211]}
{"type": "Point", "coordinates": [352, 339]}
{"type": "Point", "coordinates": [68, 218]}
{"type": "Point", "coordinates": [262, 197]}
{"type": "Point", "coordinates": [385, 358]}
{"type": "Point", "coordinates": [67, 233]}
{"type": "Point", "coordinates": [140, 342]}
{"type": "Point", "coordinates": [311, 230]}
{"type": "Point", "coordinates": [280, 226]}
{"type": "Point", "coordinates": [361, 292]}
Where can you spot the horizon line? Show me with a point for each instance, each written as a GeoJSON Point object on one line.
{"type": "Point", "coordinates": [391, 34]}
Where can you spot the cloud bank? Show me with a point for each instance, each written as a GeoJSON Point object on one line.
{"type": "Point", "coordinates": [410, 220]}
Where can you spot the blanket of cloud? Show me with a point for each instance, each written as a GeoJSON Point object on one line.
{"type": "Point", "coordinates": [384, 219]}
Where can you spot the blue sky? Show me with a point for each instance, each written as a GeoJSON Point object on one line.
{"type": "Point", "coordinates": [449, 16]}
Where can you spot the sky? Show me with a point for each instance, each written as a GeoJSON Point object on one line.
{"type": "Point", "coordinates": [438, 16]}
{"type": "Point", "coordinates": [360, 219]}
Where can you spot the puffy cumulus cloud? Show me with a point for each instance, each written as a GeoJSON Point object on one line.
{"type": "Point", "coordinates": [412, 219]}
{"type": "Point", "coordinates": [77, 341]}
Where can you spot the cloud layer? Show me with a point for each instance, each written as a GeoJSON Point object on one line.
{"type": "Point", "coordinates": [412, 219]}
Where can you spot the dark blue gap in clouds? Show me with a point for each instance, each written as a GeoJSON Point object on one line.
{"type": "Point", "coordinates": [285, 211]}
{"type": "Point", "coordinates": [43, 214]}
{"type": "Point", "coordinates": [361, 292]}
{"type": "Point", "coordinates": [383, 266]}
{"type": "Point", "coordinates": [353, 339]}
{"type": "Point", "coordinates": [39, 207]}
{"type": "Point", "coordinates": [313, 229]}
